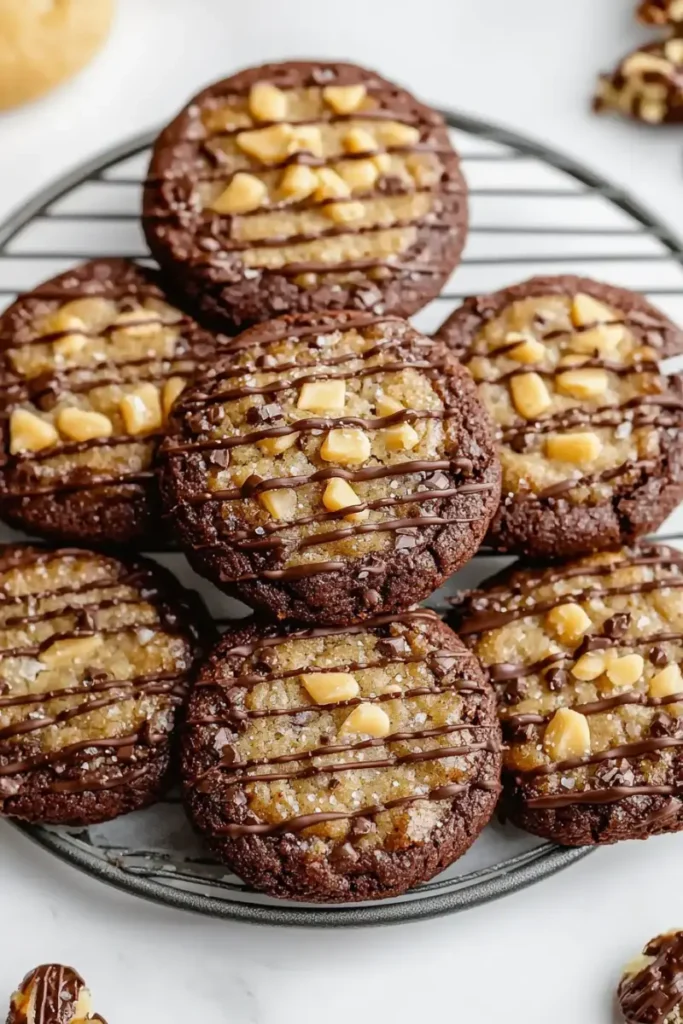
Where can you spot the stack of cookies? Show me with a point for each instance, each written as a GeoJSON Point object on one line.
{"type": "Point", "coordinates": [261, 402]}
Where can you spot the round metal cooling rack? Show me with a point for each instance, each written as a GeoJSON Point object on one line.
{"type": "Point", "coordinates": [533, 211]}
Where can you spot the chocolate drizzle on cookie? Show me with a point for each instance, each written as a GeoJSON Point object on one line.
{"type": "Point", "coordinates": [52, 994]}
{"type": "Point", "coordinates": [655, 990]}
{"type": "Point", "coordinates": [77, 629]}
{"type": "Point", "coordinates": [386, 642]}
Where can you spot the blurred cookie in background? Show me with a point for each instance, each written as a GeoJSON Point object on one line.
{"type": "Point", "coordinates": [43, 43]}
{"type": "Point", "coordinates": [52, 994]}
{"type": "Point", "coordinates": [646, 85]}
{"type": "Point", "coordinates": [661, 12]}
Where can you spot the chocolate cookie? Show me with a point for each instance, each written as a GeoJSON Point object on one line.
{"type": "Point", "coordinates": [341, 763]}
{"type": "Point", "coordinates": [661, 12]}
{"type": "Point", "coordinates": [586, 658]}
{"type": "Point", "coordinates": [303, 187]}
{"type": "Point", "coordinates": [335, 466]}
{"type": "Point", "coordinates": [95, 661]}
{"type": "Point", "coordinates": [90, 364]}
{"type": "Point", "coordinates": [651, 989]}
{"type": "Point", "coordinates": [52, 994]}
{"type": "Point", "coordinates": [646, 84]}
{"type": "Point", "coordinates": [590, 433]}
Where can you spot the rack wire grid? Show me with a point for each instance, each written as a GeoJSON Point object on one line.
{"type": "Point", "coordinates": [533, 211]}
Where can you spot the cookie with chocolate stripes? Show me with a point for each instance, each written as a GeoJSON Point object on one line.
{"type": "Point", "coordinates": [651, 988]}
{"type": "Point", "coordinates": [305, 186]}
{"type": "Point", "coordinates": [333, 467]}
{"type": "Point", "coordinates": [341, 763]}
{"type": "Point", "coordinates": [96, 657]}
{"type": "Point", "coordinates": [90, 364]}
{"type": "Point", "coordinates": [586, 657]}
{"type": "Point", "coordinates": [590, 432]}
{"type": "Point", "coordinates": [661, 12]}
{"type": "Point", "coordinates": [52, 994]}
{"type": "Point", "coordinates": [646, 84]}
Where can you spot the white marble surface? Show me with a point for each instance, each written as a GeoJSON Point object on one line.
{"type": "Point", "coordinates": [552, 952]}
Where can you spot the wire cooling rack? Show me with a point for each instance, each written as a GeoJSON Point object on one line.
{"type": "Point", "coordinates": [533, 211]}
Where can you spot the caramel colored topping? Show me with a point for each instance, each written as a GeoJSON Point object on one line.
{"type": "Point", "coordinates": [141, 409]}
{"type": "Point", "coordinates": [173, 387]}
{"type": "Point", "coordinates": [345, 213]}
{"type": "Point", "coordinates": [347, 446]}
{"type": "Point", "coordinates": [330, 185]}
{"type": "Point", "coordinates": [667, 682]}
{"type": "Point", "coordinates": [281, 504]}
{"type": "Point", "coordinates": [330, 687]}
{"type": "Point", "coordinates": [588, 383]}
{"type": "Point", "coordinates": [244, 194]}
{"type": "Point", "coordinates": [30, 433]}
{"type": "Point", "coordinates": [359, 140]}
{"type": "Point", "coordinates": [400, 438]}
{"type": "Point", "coordinates": [529, 351]}
{"type": "Point", "coordinates": [359, 175]}
{"type": "Point", "coordinates": [366, 720]}
{"type": "Point", "coordinates": [267, 102]}
{"type": "Point", "coordinates": [567, 735]}
{"type": "Point", "coordinates": [627, 670]}
{"type": "Point", "coordinates": [530, 395]}
{"type": "Point", "coordinates": [298, 182]}
{"type": "Point", "coordinates": [577, 448]}
{"type": "Point", "coordinates": [322, 396]}
{"type": "Point", "coordinates": [386, 405]}
{"type": "Point", "coordinates": [339, 494]}
{"type": "Point", "coordinates": [589, 666]}
{"type": "Point", "coordinates": [277, 445]}
{"type": "Point", "coordinates": [81, 425]}
{"type": "Point", "coordinates": [344, 99]}
{"type": "Point", "coordinates": [568, 622]}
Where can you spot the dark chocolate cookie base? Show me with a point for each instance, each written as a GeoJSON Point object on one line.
{"type": "Point", "coordinates": [219, 293]}
{"type": "Point", "coordinates": [278, 865]}
{"type": "Point", "coordinates": [555, 528]}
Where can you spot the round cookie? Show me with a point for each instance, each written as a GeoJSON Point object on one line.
{"type": "Point", "coordinates": [651, 988]}
{"type": "Point", "coordinates": [590, 434]}
{"type": "Point", "coordinates": [333, 467]}
{"type": "Point", "coordinates": [96, 657]}
{"type": "Point", "coordinates": [645, 85]}
{"type": "Point", "coordinates": [381, 742]}
{"type": "Point", "coordinates": [302, 187]}
{"type": "Point", "coordinates": [586, 658]}
{"type": "Point", "coordinates": [52, 994]}
{"type": "Point", "coordinates": [90, 363]}
{"type": "Point", "coordinates": [661, 12]}
{"type": "Point", "coordinates": [42, 44]}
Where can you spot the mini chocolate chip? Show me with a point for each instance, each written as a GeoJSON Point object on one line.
{"type": "Point", "coordinates": [519, 443]}
{"type": "Point", "coordinates": [436, 481]}
{"type": "Point", "coordinates": [125, 753]}
{"type": "Point", "coordinates": [617, 625]}
{"type": "Point", "coordinates": [324, 740]}
{"type": "Point", "coordinates": [220, 457]}
{"type": "Point", "coordinates": [393, 646]}
{"type": "Point", "coordinates": [250, 485]}
{"type": "Point", "coordinates": [658, 656]}
{"type": "Point", "coordinates": [333, 783]}
{"type": "Point", "coordinates": [343, 857]}
{"type": "Point", "coordinates": [362, 826]}
{"type": "Point", "coordinates": [442, 664]}
{"type": "Point", "coordinates": [265, 660]}
{"type": "Point", "coordinates": [264, 413]}
{"type": "Point", "coordinates": [514, 691]}
{"type": "Point", "coordinates": [662, 725]}
{"type": "Point", "coordinates": [228, 754]}
{"type": "Point", "coordinates": [4, 687]}
{"type": "Point", "coordinates": [556, 678]}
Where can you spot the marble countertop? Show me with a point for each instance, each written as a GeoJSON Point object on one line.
{"type": "Point", "coordinates": [552, 952]}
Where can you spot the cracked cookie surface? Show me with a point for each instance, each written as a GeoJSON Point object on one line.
{"type": "Point", "coordinates": [335, 466]}
{"type": "Point", "coordinates": [586, 659]}
{"type": "Point", "coordinates": [90, 364]}
{"type": "Point", "coordinates": [305, 186]}
{"type": "Point", "coordinates": [96, 657]}
{"type": "Point", "coordinates": [589, 430]}
{"type": "Point", "coordinates": [341, 763]}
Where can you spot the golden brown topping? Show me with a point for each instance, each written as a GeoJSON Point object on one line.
{"type": "Point", "coordinates": [281, 504]}
{"type": "Point", "coordinates": [569, 622]}
{"type": "Point", "coordinates": [322, 396]}
{"type": "Point", "coordinates": [359, 175]}
{"type": "Point", "coordinates": [330, 687]}
{"type": "Point", "coordinates": [359, 140]}
{"type": "Point", "coordinates": [393, 133]}
{"type": "Point", "coordinates": [298, 182]}
{"type": "Point", "coordinates": [588, 383]}
{"type": "Point", "coordinates": [330, 185]}
{"type": "Point", "coordinates": [667, 682]}
{"type": "Point", "coordinates": [277, 445]}
{"type": "Point", "coordinates": [366, 720]}
{"type": "Point", "coordinates": [345, 213]}
{"type": "Point", "coordinates": [30, 433]}
{"type": "Point", "coordinates": [344, 99]}
{"type": "Point", "coordinates": [578, 448]}
{"type": "Point", "coordinates": [66, 652]}
{"type": "Point", "coordinates": [528, 351]}
{"type": "Point", "coordinates": [267, 102]}
{"type": "Point", "coordinates": [81, 425]}
{"type": "Point", "coordinates": [589, 666]}
{"type": "Point", "coordinates": [141, 409]}
{"type": "Point", "coordinates": [173, 387]}
{"type": "Point", "coordinates": [386, 405]}
{"type": "Point", "coordinates": [627, 670]}
{"type": "Point", "coordinates": [347, 446]}
{"type": "Point", "coordinates": [530, 395]}
{"type": "Point", "coordinates": [339, 494]}
{"type": "Point", "coordinates": [244, 194]}
{"type": "Point", "coordinates": [567, 735]}
{"type": "Point", "coordinates": [401, 438]}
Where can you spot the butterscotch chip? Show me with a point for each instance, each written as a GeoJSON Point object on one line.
{"type": "Point", "coordinates": [288, 246]}
{"type": "Point", "coordinates": [267, 102]}
{"type": "Point", "coordinates": [299, 181]}
{"type": "Point", "coordinates": [141, 409]}
{"type": "Point", "coordinates": [616, 684]}
{"type": "Point", "coordinates": [347, 446]}
{"type": "Point", "coordinates": [367, 720]}
{"type": "Point", "coordinates": [344, 99]}
{"type": "Point", "coordinates": [74, 349]}
{"type": "Point", "coordinates": [330, 687]}
{"type": "Point", "coordinates": [578, 448]}
{"type": "Point", "coordinates": [30, 433]}
{"type": "Point", "coordinates": [173, 387]}
{"type": "Point", "coordinates": [281, 504]}
{"type": "Point", "coordinates": [245, 193]}
{"type": "Point", "coordinates": [530, 395]}
{"type": "Point", "coordinates": [667, 682]}
{"type": "Point", "coordinates": [528, 351]}
{"type": "Point", "coordinates": [308, 405]}
{"type": "Point", "coordinates": [105, 651]}
{"type": "Point", "coordinates": [322, 396]}
{"type": "Point", "coordinates": [568, 621]}
{"type": "Point", "coordinates": [81, 425]}
{"type": "Point", "coordinates": [392, 761]}
{"type": "Point", "coordinates": [591, 436]}
{"type": "Point", "coordinates": [400, 438]}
